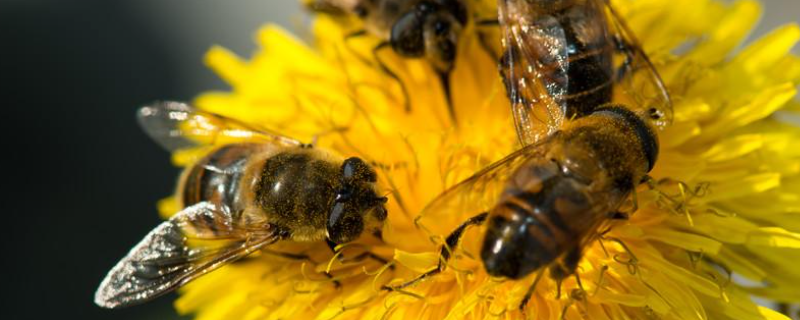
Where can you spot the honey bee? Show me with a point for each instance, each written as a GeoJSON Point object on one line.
{"type": "Point", "coordinates": [253, 189]}
{"type": "Point", "coordinates": [583, 154]}
{"type": "Point", "coordinates": [427, 29]}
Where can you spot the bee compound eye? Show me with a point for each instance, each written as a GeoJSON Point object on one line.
{"type": "Point", "coordinates": [344, 195]}
{"type": "Point", "coordinates": [406, 36]}
{"type": "Point", "coordinates": [424, 7]}
{"type": "Point", "coordinates": [355, 168]}
{"type": "Point", "coordinates": [441, 27]}
{"type": "Point", "coordinates": [360, 11]}
{"type": "Point", "coordinates": [343, 225]}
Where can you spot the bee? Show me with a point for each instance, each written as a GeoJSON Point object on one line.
{"type": "Point", "coordinates": [583, 154]}
{"type": "Point", "coordinates": [428, 29]}
{"type": "Point", "coordinates": [254, 188]}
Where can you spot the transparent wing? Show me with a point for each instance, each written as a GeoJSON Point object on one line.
{"type": "Point", "coordinates": [476, 194]}
{"type": "Point", "coordinates": [636, 78]}
{"type": "Point", "coordinates": [195, 241]}
{"type": "Point", "coordinates": [534, 68]}
{"type": "Point", "coordinates": [177, 126]}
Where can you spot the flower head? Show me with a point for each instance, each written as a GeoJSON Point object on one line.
{"type": "Point", "coordinates": [721, 225]}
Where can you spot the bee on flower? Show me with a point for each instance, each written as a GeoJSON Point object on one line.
{"type": "Point", "coordinates": [714, 227]}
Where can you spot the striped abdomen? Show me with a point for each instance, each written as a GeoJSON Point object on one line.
{"type": "Point", "coordinates": [589, 59]}
{"type": "Point", "coordinates": [570, 50]}
{"type": "Point", "coordinates": [553, 203]}
{"type": "Point", "coordinates": [532, 224]}
{"type": "Point", "coordinates": [217, 177]}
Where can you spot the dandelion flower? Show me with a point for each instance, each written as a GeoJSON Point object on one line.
{"type": "Point", "coordinates": [726, 230]}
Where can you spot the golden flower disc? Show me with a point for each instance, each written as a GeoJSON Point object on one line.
{"type": "Point", "coordinates": [723, 226]}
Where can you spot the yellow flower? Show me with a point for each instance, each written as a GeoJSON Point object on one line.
{"type": "Point", "coordinates": [699, 249]}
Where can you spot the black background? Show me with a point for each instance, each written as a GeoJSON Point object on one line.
{"type": "Point", "coordinates": [80, 179]}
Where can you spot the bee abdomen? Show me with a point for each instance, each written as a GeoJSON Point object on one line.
{"type": "Point", "coordinates": [531, 228]}
{"type": "Point", "coordinates": [216, 178]}
{"type": "Point", "coordinates": [590, 66]}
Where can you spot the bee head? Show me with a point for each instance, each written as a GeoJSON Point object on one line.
{"type": "Point", "coordinates": [357, 206]}
{"type": "Point", "coordinates": [431, 30]}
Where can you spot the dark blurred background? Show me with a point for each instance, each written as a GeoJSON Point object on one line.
{"type": "Point", "coordinates": [81, 179]}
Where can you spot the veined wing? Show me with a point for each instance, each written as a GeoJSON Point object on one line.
{"type": "Point", "coordinates": [636, 78]}
{"type": "Point", "coordinates": [177, 126]}
{"type": "Point", "coordinates": [534, 68]}
{"type": "Point", "coordinates": [478, 193]}
{"type": "Point", "coordinates": [195, 241]}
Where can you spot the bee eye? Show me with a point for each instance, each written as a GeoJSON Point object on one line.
{"type": "Point", "coordinates": [343, 224]}
{"type": "Point", "coordinates": [360, 11]}
{"type": "Point", "coordinates": [344, 194]}
{"type": "Point", "coordinates": [355, 168]}
{"type": "Point", "coordinates": [424, 7]}
{"type": "Point", "coordinates": [441, 27]}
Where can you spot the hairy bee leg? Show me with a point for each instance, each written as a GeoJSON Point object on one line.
{"type": "Point", "coordinates": [391, 73]}
{"type": "Point", "coordinates": [451, 242]}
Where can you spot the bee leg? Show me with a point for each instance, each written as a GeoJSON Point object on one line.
{"type": "Point", "coordinates": [565, 267]}
{"type": "Point", "coordinates": [485, 41]}
{"type": "Point", "coordinates": [353, 35]}
{"type": "Point", "coordinates": [357, 258]}
{"type": "Point", "coordinates": [301, 257]}
{"type": "Point", "coordinates": [287, 255]}
{"type": "Point", "coordinates": [444, 80]}
{"type": "Point", "coordinates": [451, 242]}
{"type": "Point", "coordinates": [391, 73]}
{"type": "Point", "coordinates": [529, 293]}
{"type": "Point", "coordinates": [625, 215]}
{"type": "Point", "coordinates": [618, 215]}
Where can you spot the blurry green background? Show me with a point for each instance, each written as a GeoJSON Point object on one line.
{"type": "Point", "coordinates": [81, 180]}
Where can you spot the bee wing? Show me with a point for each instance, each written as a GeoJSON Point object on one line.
{"type": "Point", "coordinates": [476, 194]}
{"type": "Point", "coordinates": [636, 77]}
{"type": "Point", "coordinates": [177, 126]}
{"type": "Point", "coordinates": [195, 241]}
{"type": "Point", "coordinates": [534, 69]}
